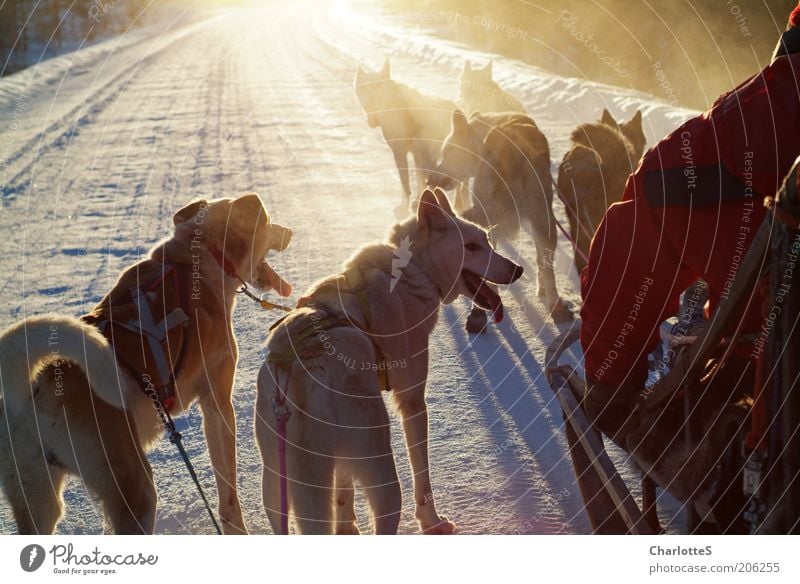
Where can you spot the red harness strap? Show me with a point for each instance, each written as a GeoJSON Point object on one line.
{"type": "Point", "coordinates": [226, 264]}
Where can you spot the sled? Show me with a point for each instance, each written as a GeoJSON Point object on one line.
{"type": "Point", "coordinates": [766, 464]}
{"type": "Point", "coordinates": [607, 499]}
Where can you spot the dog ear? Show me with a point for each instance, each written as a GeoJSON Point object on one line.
{"type": "Point", "coordinates": [608, 119]}
{"type": "Point", "coordinates": [386, 70]}
{"type": "Point", "coordinates": [359, 73]}
{"type": "Point", "coordinates": [636, 120]}
{"type": "Point", "coordinates": [189, 211]}
{"type": "Point", "coordinates": [430, 214]}
{"type": "Point", "coordinates": [443, 201]}
{"type": "Point", "coordinates": [459, 122]}
{"type": "Point", "coordinates": [467, 66]}
{"type": "Point", "coordinates": [487, 70]}
{"type": "Point", "coordinates": [251, 204]}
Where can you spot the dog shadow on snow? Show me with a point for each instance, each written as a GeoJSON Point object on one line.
{"type": "Point", "coordinates": [516, 403]}
{"type": "Point", "coordinates": [521, 395]}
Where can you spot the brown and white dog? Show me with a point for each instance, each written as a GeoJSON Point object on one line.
{"type": "Point", "coordinates": [73, 405]}
{"type": "Point", "coordinates": [326, 360]}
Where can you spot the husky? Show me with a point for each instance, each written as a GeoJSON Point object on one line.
{"type": "Point", "coordinates": [356, 333]}
{"type": "Point", "coordinates": [479, 92]}
{"type": "Point", "coordinates": [593, 172]}
{"type": "Point", "coordinates": [412, 123]}
{"type": "Point", "coordinates": [509, 159]}
{"type": "Point", "coordinates": [73, 404]}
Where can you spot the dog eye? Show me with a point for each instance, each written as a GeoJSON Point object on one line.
{"type": "Point", "coordinates": [472, 246]}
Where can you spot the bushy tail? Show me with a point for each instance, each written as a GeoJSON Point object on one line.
{"type": "Point", "coordinates": [31, 344]}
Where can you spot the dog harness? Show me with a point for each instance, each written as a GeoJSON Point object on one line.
{"type": "Point", "coordinates": [151, 352]}
{"type": "Point", "coordinates": [355, 285]}
{"type": "Point", "coordinates": [283, 360]}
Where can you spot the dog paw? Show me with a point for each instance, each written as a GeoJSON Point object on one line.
{"type": "Point", "coordinates": [347, 529]}
{"type": "Point", "coordinates": [561, 312]}
{"type": "Point", "coordinates": [476, 321]}
{"type": "Point", "coordinates": [442, 527]}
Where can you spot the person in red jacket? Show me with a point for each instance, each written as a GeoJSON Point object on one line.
{"type": "Point", "coordinates": [690, 211]}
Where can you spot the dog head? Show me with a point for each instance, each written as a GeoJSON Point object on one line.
{"type": "Point", "coordinates": [459, 256]}
{"type": "Point", "coordinates": [472, 75]}
{"type": "Point", "coordinates": [474, 81]}
{"type": "Point", "coordinates": [460, 152]}
{"type": "Point", "coordinates": [374, 90]}
{"type": "Point", "coordinates": [239, 234]}
{"type": "Point", "coordinates": [633, 130]}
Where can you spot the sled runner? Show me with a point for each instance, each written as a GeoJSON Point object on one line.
{"type": "Point", "coordinates": [609, 503]}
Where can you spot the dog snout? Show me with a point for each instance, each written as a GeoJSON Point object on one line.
{"type": "Point", "coordinates": [517, 273]}
{"type": "Point", "coordinates": [280, 237]}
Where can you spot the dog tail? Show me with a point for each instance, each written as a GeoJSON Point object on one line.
{"type": "Point", "coordinates": [28, 346]}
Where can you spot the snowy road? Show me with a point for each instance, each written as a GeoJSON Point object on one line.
{"type": "Point", "coordinates": [98, 148]}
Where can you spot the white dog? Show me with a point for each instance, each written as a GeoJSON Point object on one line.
{"type": "Point", "coordinates": [358, 332]}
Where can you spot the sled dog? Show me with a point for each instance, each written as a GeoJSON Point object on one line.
{"type": "Point", "coordinates": [74, 404]}
{"type": "Point", "coordinates": [356, 333]}
{"type": "Point", "coordinates": [509, 158]}
{"type": "Point", "coordinates": [479, 92]}
{"type": "Point", "coordinates": [593, 172]}
{"type": "Point", "coordinates": [412, 123]}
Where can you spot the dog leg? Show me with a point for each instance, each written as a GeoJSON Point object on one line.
{"type": "Point", "coordinates": [311, 488]}
{"type": "Point", "coordinates": [129, 496]}
{"type": "Point", "coordinates": [114, 468]}
{"type": "Point", "coordinates": [35, 496]}
{"type": "Point", "coordinates": [270, 477]}
{"type": "Point", "coordinates": [271, 496]}
{"type": "Point", "coordinates": [463, 199]}
{"type": "Point", "coordinates": [267, 441]}
{"type": "Point", "coordinates": [421, 175]}
{"type": "Point", "coordinates": [414, 412]}
{"type": "Point", "coordinates": [382, 488]}
{"type": "Point", "coordinates": [401, 160]}
{"type": "Point", "coordinates": [415, 426]}
{"type": "Point", "coordinates": [219, 424]}
{"type": "Point", "coordinates": [344, 498]}
{"type": "Point", "coordinates": [544, 237]}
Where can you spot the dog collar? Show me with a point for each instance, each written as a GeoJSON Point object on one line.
{"type": "Point", "coordinates": [224, 263]}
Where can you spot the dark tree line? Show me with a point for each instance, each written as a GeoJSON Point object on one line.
{"type": "Point", "coordinates": [31, 30]}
